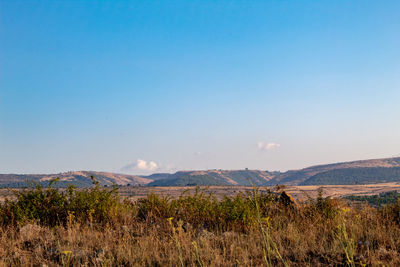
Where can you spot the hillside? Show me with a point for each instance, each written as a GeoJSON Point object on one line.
{"type": "Point", "coordinates": [353, 176]}
{"type": "Point", "coordinates": [215, 177]}
{"type": "Point", "coordinates": [355, 172]}
{"type": "Point", "coordinates": [77, 178]}
{"type": "Point", "coordinates": [297, 177]}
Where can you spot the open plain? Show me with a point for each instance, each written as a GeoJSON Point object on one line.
{"type": "Point", "coordinates": [298, 192]}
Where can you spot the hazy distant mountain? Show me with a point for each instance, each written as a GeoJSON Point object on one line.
{"type": "Point", "coordinates": [78, 178]}
{"type": "Point", "coordinates": [355, 176]}
{"type": "Point", "coordinates": [159, 176]}
{"type": "Point", "coordinates": [214, 177]}
{"type": "Point", "coordinates": [355, 172]}
{"type": "Point", "coordinates": [301, 176]}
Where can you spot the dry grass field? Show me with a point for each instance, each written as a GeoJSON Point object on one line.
{"type": "Point", "coordinates": [298, 192]}
{"type": "Point", "coordinates": [238, 227]}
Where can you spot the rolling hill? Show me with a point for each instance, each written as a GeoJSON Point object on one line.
{"type": "Point", "coordinates": [298, 177]}
{"type": "Point", "coordinates": [214, 177]}
{"type": "Point", "coordinates": [346, 173]}
{"type": "Point", "coordinates": [77, 178]}
{"type": "Point", "coordinates": [355, 172]}
{"type": "Point", "coordinates": [353, 176]}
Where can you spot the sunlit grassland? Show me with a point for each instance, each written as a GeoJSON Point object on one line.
{"type": "Point", "coordinates": [96, 227]}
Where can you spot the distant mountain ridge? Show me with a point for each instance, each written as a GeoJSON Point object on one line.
{"type": "Point", "coordinates": [78, 178]}
{"type": "Point", "coordinates": [297, 177]}
{"type": "Point", "coordinates": [354, 172]}
{"type": "Point", "coordinates": [214, 177]}
{"type": "Point", "coordinates": [379, 170]}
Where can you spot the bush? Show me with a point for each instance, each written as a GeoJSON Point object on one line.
{"type": "Point", "coordinates": [249, 229]}
{"type": "Point", "coordinates": [391, 212]}
{"type": "Point", "coordinates": [52, 206]}
{"type": "Point", "coordinates": [325, 208]}
{"type": "Point", "coordinates": [206, 211]}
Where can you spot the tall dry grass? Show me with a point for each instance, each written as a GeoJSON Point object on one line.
{"type": "Point", "coordinates": [94, 227]}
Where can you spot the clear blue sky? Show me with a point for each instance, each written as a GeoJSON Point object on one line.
{"type": "Point", "coordinates": [149, 86]}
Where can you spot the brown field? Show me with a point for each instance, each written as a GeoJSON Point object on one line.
{"type": "Point", "coordinates": [94, 227]}
{"type": "Point", "coordinates": [298, 192]}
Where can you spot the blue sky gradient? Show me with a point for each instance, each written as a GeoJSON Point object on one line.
{"type": "Point", "coordinates": [98, 85]}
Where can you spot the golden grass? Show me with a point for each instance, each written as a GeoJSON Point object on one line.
{"type": "Point", "coordinates": [298, 192]}
{"type": "Point", "coordinates": [141, 244]}
{"type": "Point", "coordinates": [321, 232]}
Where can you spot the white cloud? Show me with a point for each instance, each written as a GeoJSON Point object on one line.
{"type": "Point", "coordinates": [140, 166]}
{"type": "Point", "coordinates": [267, 146]}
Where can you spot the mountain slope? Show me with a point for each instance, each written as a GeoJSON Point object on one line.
{"type": "Point", "coordinates": [353, 176]}
{"type": "Point", "coordinates": [77, 178]}
{"type": "Point", "coordinates": [355, 172]}
{"type": "Point", "coordinates": [215, 177]}
{"type": "Point", "coordinates": [297, 177]}
{"type": "Point", "coordinates": [361, 171]}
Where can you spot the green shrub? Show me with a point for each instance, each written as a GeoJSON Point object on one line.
{"type": "Point", "coordinates": [325, 208]}
{"type": "Point", "coordinates": [153, 207]}
{"type": "Point", "coordinates": [206, 211]}
{"type": "Point", "coordinates": [377, 200]}
{"type": "Point", "coordinates": [94, 204]}
{"type": "Point", "coordinates": [391, 212]}
{"type": "Point", "coordinates": [51, 206]}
